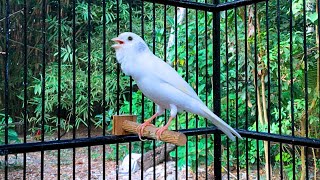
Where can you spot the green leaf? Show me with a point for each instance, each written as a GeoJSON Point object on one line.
{"type": "Point", "coordinates": [313, 17]}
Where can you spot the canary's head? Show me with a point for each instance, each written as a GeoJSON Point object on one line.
{"type": "Point", "coordinates": [127, 41]}
{"type": "Point", "coordinates": [128, 45]}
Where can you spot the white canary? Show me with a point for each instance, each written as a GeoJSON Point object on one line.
{"type": "Point", "coordinates": [161, 83]}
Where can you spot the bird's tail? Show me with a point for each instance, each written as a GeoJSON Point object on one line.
{"type": "Point", "coordinates": [224, 127]}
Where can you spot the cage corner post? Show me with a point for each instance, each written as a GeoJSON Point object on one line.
{"type": "Point", "coordinates": [216, 85]}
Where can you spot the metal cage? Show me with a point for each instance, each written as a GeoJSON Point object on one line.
{"type": "Point", "coordinates": [232, 47]}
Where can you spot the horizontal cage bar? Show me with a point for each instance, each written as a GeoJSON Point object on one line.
{"type": "Point", "coordinates": [207, 6]}
{"type": "Point", "coordinates": [101, 140]}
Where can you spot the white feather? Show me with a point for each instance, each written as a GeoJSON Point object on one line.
{"type": "Point", "coordinates": [162, 84]}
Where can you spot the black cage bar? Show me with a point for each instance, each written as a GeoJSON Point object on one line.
{"type": "Point", "coordinates": [254, 63]}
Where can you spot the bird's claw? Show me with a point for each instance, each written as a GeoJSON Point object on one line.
{"type": "Point", "coordinates": [140, 129]}
{"type": "Point", "coordinates": [160, 131]}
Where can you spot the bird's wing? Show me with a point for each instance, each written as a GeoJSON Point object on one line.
{"type": "Point", "coordinates": [167, 74]}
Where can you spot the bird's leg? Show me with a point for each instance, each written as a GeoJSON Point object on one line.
{"type": "Point", "coordinates": [141, 127]}
{"type": "Point", "coordinates": [162, 129]}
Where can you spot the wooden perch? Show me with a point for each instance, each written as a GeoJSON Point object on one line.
{"type": "Point", "coordinates": [125, 124]}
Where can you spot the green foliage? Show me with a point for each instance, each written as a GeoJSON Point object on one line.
{"type": "Point", "coordinates": [238, 104]}
{"type": "Point", "coordinates": [123, 151]}
{"type": "Point", "coordinates": [12, 134]}
{"type": "Point", "coordinates": [81, 71]}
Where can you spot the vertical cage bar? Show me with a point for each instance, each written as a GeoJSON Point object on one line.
{"type": "Point", "coordinates": [187, 79]}
{"type": "Point", "coordinates": [305, 65]}
{"type": "Point", "coordinates": [74, 86]}
{"type": "Point", "coordinates": [165, 59]}
{"type": "Point", "coordinates": [207, 89]}
{"type": "Point", "coordinates": [25, 84]}
{"type": "Point", "coordinates": [118, 92]}
{"type": "Point", "coordinates": [318, 9]}
{"type": "Point", "coordinates": [246, 85]}
{"type": "Point", "coordinates": [104, 87]}
{"type": "Point", "coordinates": [237, 88]}
{"type": "Point", "coordinates": [216, 84]}
{"type": "Point", "coordinates": [89, 86]}
{"type": "Point", "coordinates": [305, 59]}
{"type": "Point", "coordinates": [256, 86]}
{"type": "Point", "coordinates": [279, 84]}
{"type": "Point", "coordinates": [176, 68]}
{"type": "Point", "coordinates": [6, 83]}
{"type": "Point", "coordinates": [43, 31]}
{"type": "Point", "coordinates": [197, 90]}
{"type": "Point", "coordinates": [130, 96]}
{"type": "Point", "coordinates": [291, 92]}
{"type": "Point", "coordinates": [2, 4]}
{"type": "Point", "coordinates": [130, 29]}
{"type": "Point", "coordinates": [142, 96]}
{"type": "Point", "coordinates": [59, 85]}
{"type": "Point", "coordinates": [227, 80]}
{"type": "Point", "coordinates": [153, 104]}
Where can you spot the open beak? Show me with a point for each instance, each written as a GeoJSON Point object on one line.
{"type": "Point", "coordinates": [118, 41]}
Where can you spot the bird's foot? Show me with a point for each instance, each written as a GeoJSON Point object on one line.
{"type": "Point", "coordinates": [160, 131]}
{"type": "Point", "coordinates": [141, 127]}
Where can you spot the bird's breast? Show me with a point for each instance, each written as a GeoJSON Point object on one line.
{"type": "Point", "coordinates": [151, 88]}
{"type": "Point", "coordinates": [135, 67]}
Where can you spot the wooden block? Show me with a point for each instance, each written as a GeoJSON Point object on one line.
{"type": "Point", "coordinates": [118, 121]}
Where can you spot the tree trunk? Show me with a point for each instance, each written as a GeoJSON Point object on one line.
{"type": "Point", "coordinates": [181, 14]}
{"type": "Point", "coordinates": [265, 143]}
{"type": "Point", "coordinates": [159, 156]}
{"type": "Point", "coordinates": [261, 99]}
{"type": "Point", "coordinates": [262, 119]}
{"type": "Point", "coordinates": [303, 157]}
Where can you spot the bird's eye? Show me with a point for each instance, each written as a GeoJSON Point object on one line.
{"type": "Point", "coordinates": [130, 38]}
